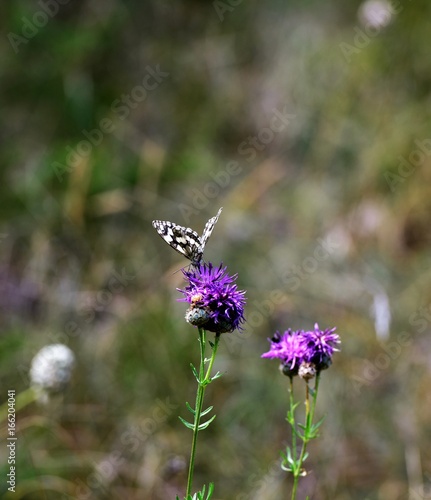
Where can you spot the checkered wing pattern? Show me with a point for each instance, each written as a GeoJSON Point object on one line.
{"type": "Point", "coordinates": [184, 240]}
{"type": "Point", "coordinates": [208, 229]}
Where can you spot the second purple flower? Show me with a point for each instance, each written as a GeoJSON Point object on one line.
{"type": "Point", "coordinates": [296, 348]}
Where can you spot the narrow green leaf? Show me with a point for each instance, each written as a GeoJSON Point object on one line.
{"type": "Point", "coordinates": [195, 373]}
{"type": "Point", "coordinates": [290, 417]}
{"type": "Point", "coordinates": [200, 495]}
{"type": "Point", "coordinates": [187, 424]}
{"type": "Point", "coordinates": [312, 435]}
{"type": "Point", "coordinates": [288, 463]}
{"type": "Point", "coordinates": [191, 410]}
{"type": "Point", "coordinates": [210, 491]}
{"type": "Point", "coordinates": [204, 412]}
{"type": "Point", "coordinates": [207, 423]}
{"type": "Point", "coordinates": [217, 375]}
{"type": "Point", "coordinates": [320, 422]}
{"type": "Point", "coordinates": [314, 428]}
{"type": "Point", "coordinates": [293, 408]}
{"type": "Point", "coordinates": [303, 433]}
{"type": "Point", "coordinates": [286, 468]}
{"type": "Point", "coordinates": [289, 457]}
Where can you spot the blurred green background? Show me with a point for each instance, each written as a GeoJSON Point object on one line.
{"type": "Point", "coordinates": [309, 122]}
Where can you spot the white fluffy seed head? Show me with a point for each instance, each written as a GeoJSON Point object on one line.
{"type": "Point", "coordinates": [51, 368]}
{"type": "Point", "coordinates": [376, 14]}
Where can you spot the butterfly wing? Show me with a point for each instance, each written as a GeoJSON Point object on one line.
{"type": "Point", "coordinates": [208, 229]}
{"type": "Point", "coordinates": [182, 239]}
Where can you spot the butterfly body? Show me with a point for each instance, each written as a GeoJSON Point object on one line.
{"type": "Point", "coordinates": [184, 240]}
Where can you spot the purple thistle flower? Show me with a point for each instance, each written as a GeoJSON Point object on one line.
{"type": "Point", "coordinates": [321, 346]}
{"type": "Point", "coordinates": [216, 304]}
{"type": "Point", "coordinates": [290, 349]}
{"type": "Point", "coordinates": [299, 348]}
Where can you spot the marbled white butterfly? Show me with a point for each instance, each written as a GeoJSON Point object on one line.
{"type": "Point", "coordinates": [184, 240]}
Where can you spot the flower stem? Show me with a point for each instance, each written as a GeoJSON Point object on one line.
{"type": "Point", "coordinates": [316, 388]}
{"type": "Point", "coordinates": [214, 352]}
{"type": "Point", "coordinates": [309, 416]}
{"type": "Point", "coordinates": [298, 468]}
{"type": "Point", "coordinates": [292, 409]}
{"type": "Point", "coordinates": [204, 380]}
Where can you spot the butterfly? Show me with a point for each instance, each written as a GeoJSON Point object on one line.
{"type": "Point", "coordinates": [184, 240]}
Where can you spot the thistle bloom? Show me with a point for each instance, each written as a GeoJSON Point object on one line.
{"type": "Point", "coordinates": [303, 351]}
{"type": "Point", "coordinates": [289, 348]}
{"type": "Point", "coordinates": [321, 346]}
{"type": "Point", "coordinates": [216, 304]}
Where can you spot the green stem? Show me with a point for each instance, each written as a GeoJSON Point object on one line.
{"type": "Point", "coordinates": [203, 382]}
{"type": "Point", "coordinates": [292, 409]}
{"type": "Point", "coordinates": [309, 416]}
{"type": "Point", "coordinates": [316, 388]}
{"type": "Point", "coordinates": [214, 352]}
{"type": "Point", "coordinates": [304, 443]}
